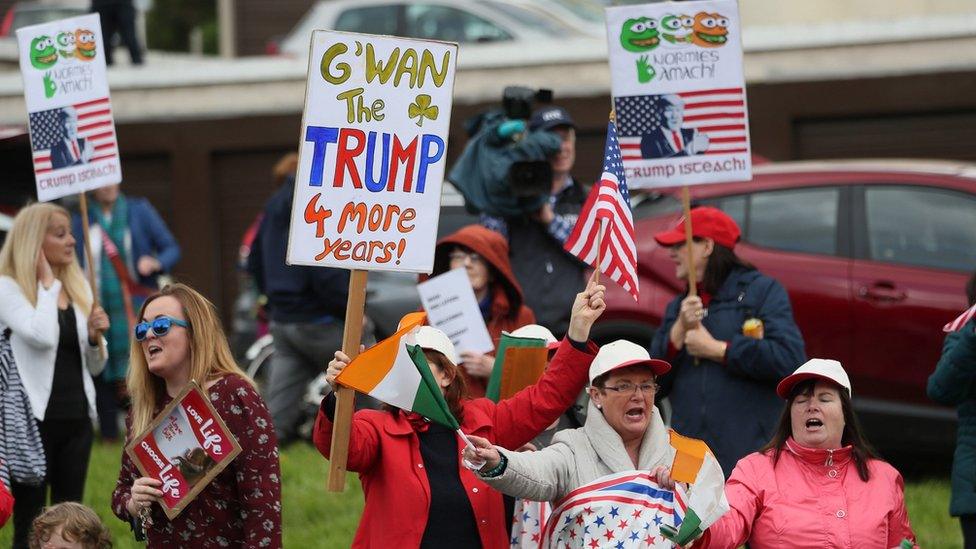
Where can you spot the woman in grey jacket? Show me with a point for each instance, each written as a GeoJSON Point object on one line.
{"type": "Point", "coordinates": [623, 431]}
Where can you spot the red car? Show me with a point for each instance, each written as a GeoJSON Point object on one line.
{"type": "Point", "coordinates": [875, 256]}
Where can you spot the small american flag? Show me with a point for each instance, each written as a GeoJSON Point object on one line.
{"type": "Point", "coordinates": [94, 125]}
{"type": "Point", "coordinates": [623, 511]}
{"type": "Point", "coordinates": [607, 209]}
{"type": "Point", "coordinates": [960, 320]}
{"type": "Point", "coordinates": [719, 114]}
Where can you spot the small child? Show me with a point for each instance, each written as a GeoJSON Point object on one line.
{"type": "Point", "coordinates": [69, 525]}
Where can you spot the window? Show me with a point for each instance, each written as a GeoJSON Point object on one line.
{"type": "Point", "coordinates": [451, 24]}
{"type": "Point", "coordinates": [921, 226]}
{"type": "Point", "coordinates": [371, 20]}
{"type": "Point", "coordinates": [801, 220]}
{"type": "Point", "coordinates": [734, 206]}
{"type": "Point", "coordinates": [546, 25]}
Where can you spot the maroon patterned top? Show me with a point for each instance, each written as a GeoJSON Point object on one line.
{"type": "Point", "coordinates": [241, 507]}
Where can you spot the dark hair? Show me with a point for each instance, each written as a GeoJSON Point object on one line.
{"type": "Point", "coordinates": [455, 392]}
{"type": "Point", "coordinates": [862, 451]}
{"type": "Point", "coordinates": [720, 263]}
{"type": "Point", "coordinates": [971, 290]}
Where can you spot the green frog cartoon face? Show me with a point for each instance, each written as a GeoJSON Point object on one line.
{"type": "Point", "coordinates": [66, 44]}
{"type": "Point", "coordinates": [676, 29]}
{"type": "Point", "coordinates": [640, 34]}
{"type": "Point", "coordinates": [43, 55]}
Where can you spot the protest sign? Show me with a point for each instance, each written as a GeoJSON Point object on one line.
{"type": "Point", "coordinates": [185, 447]}
{"type": "Point", "coordinates": [373, 152]}
{"type": "Point", "coordinates": [452, 308]}
{"type": "Point", "coordinates": [72, 131]}
{"type": "Point", "coordinates": [679, 92]}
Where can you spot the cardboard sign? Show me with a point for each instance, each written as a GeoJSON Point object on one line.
{"type": "Point", "coordinates": [373, 152]}
{"type": "Point", "coordinates": [185, 447]}
{"type": "Point", "coordinates": [678, 92]}
{"type": "Point", "coordinates": [453, 309]}
{"type": "Point", "coordinates": [70, 121]}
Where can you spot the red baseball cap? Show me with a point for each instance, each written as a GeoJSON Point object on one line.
{"type": "Point", "coordinates": [706, 222]}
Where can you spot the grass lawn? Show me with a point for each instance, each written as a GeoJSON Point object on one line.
{"type": "Point", "coordinates": [315, 518]}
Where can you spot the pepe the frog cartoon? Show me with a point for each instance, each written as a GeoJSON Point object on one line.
{"type": "Point", "coordinates": [66, 44]}
{"type": "Point", "coordinates": [43, 55]}
{"type": "Point", "coordinates": [85, 41]}
{"type": "Point", "coordinates": [676, 29]}
{"type": "Point", "coordinates": [639, 35]}
{"type": "Point", "coordinates": [710, 30]}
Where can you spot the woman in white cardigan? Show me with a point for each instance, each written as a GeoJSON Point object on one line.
{"type": "Point", "coordinates": [47, 305]}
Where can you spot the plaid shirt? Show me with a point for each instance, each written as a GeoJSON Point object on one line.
{"type": "Point", "coordinates": [559, 228]}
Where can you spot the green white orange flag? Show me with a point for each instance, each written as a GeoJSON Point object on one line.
{"type": "Point", "coordinates": [704, 502]}
{"type": "Point", "coordinates": [516, 355]}
{"type": "Point", "coordinates": [395, 371]}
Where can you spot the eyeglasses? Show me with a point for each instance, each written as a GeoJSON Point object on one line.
{"type": "Point", "coordinates": [159, 326]}
{"type": "Point", "coordinates": [461, 257]}
{"type": "Point", "coordinates": [630, 388]}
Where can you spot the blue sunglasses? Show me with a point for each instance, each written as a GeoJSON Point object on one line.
{"type": "Point", "coordinates": [159, 326]}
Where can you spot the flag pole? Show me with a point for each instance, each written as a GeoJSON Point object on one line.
{"type": "Point", "coordinates": [342, 424]}
{"type": "Point", "coordinates": [599, 248]}
{"type": "Point", "coordinates": [692, 273]}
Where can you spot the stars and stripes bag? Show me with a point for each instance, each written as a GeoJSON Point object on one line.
{"type": "Point", "coordinates": [21, 451]}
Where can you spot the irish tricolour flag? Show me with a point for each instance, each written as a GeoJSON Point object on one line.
{"type": "Point", "coordinates": [395, 371]}
{"type": "Point", "coordinates": [704, 502]}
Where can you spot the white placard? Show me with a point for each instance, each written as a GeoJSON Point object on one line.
{"type": "Point", "coordinates": [678, 92]}
{"type": "Point", "coordinates": [452, 308]}
{"type": "Point", "coordinates": [72, 131]}
{"type": "Point", "coordinates": [373, 152]}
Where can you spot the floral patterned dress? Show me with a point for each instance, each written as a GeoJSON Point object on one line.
{"type": "Point", "coordinates": [241, 507]}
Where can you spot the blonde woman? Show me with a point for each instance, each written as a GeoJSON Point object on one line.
{"type": "Point", "coordinates": [179, 338]}
{"type": "Point", "coordinates": [47, 305]}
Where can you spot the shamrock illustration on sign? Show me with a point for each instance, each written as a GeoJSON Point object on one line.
{"type": "Point", "coordinates": [421, 108]}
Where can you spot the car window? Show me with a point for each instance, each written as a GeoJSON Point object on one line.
{"type": "Point", "coordinates": [649, 205]}
{"type": "Point", "coordinates": [734, 206]}
{"type": "Point", "coordinates": [921, 226]}
{"type": "Point", "coordinates": [799, 220]}
{"type": "Point", "coordinates": [371, 20]}
{"type": "Point", "coordinates": [532, 19]}
{"type": "Point", "coordinates": [447, 23]}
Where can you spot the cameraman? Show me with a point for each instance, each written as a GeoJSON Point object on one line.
{"type": "Point", "coordinates": [549, 276]}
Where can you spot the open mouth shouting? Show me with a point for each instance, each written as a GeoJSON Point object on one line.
{"type": "Point", "coordinates": [814, 424]}
{"type": "Point", "coordinates": [635, 414]}
{"type": "Point", "coordinates": [153, 350]}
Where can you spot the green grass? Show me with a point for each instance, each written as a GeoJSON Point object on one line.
{"type": "Point", "coordinates": [316, 518]}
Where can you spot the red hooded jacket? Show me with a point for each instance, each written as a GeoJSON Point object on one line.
{"type": "Point", "coordinates": [508, 310]}
{"type": "Point", "coordinates": [6, 504]}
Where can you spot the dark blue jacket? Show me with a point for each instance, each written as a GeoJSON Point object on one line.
{"type": "Point", "coordinates": [954, 384]}
{"type": "Point", "coordinates": [733, 406]}
{"type": "Point", "coordinates": [295, 293]}
{"type": "Point", "coordinates": [150, 236]}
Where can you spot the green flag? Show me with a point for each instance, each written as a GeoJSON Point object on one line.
{"type": "Point", "coordinates": [507, 341]}
{"type": "Point", "coordinates": [429, 400]}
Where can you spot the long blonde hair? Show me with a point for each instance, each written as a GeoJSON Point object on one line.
{"type": "Point", "coordinates": [210, 356]}
{"type": "Point", "coordinates": [18, 258]}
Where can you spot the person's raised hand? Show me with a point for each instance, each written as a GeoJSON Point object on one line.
{"type": "Point", "coordinates": [691, 313]}
{"type": "Point", "coordinates": [483, 451]}
{"type": "Point", "coordinates": [148, 265]}
{"type": "Point", "coordinates": [97, 323]}
{"type": "Point", "coordinates": [662, 475]}
{"type": "Point", "coordinates": [44, 272]}
{"type": "Point", "coordinates": [144, 491]}
{"type": "Point", "coordinates": [700, 343]}
{"type": "Point", "coordinates": [587, 308]}
{"type": "Point", "coordinates": [477, 364]}
{"type": "Point", "coordinates": [336, 365]}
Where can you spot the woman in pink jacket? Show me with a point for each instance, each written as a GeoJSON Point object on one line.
{"type": "Point", "coordinates": [817, 483]}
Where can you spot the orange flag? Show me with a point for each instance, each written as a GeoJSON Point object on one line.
{"type": "Point", "coordinates": [689, 456]}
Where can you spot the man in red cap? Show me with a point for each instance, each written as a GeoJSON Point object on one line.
{"type": "Point", "coordinates": [729, 345]}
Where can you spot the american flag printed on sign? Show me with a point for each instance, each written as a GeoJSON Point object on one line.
{"type": "Point", "coordinates": [607, 210]}
{"type": "Point", "coordinates": [622, 511]}
{"type": "Point", "coordinates": [94, 125]}
{"type": "Point", "coordinates": [960, 320]}
{"type": "Point", "coordinates": [719, 114]}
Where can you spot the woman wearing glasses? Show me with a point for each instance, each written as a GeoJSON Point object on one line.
{"type": "Point", "coordinates": [180, 339]}
{"type": "Point", "coordinates": [483, 253]}
{"type": "Point", "coordinates": [47, 305]}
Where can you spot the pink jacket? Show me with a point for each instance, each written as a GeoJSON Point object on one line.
{"type": "Point", "coordinates": [805, 501]}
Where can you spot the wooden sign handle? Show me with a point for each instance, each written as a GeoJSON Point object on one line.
{"type": "Point", "coordinates": [692, 273]}
{"type": "Point", "coordinates": [90, 271]}
{"type": "Point", "coordinates": [342, 424]}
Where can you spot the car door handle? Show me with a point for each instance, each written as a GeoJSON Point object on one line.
{"type": "Point", "coordinates": [879, 292]}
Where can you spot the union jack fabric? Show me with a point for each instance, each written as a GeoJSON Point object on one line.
{"type": "Point", "coordinates": [94, 125]}
{"type": "Point", "coordinates": [719, 114]}
{"type": "Point", "coordinates": [619, 511]}
{"type": "Point", "coordinates": [607, 211]}
{"type": "Point", "coordinates": [960, 320]}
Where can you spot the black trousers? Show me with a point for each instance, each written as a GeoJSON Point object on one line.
{"type": "Point", "coordinates": [968, 523]}
{"type": "Point", "coordinates": [67, 447]}
{"type": "Point", "coordinates": [119, 17]}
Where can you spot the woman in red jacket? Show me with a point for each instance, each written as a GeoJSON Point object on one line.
{"type": "Point", "coordinates": [6, 504]}
{"type": "Point", "coordinates": [418, 492]}
{"type": "Point", "coordinates": [484, 254]}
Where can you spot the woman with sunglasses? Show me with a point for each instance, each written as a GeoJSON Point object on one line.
{"type": "Point", "coordinates": [47, 305]}
{"type": "Point", "coordinates": [180, 339]}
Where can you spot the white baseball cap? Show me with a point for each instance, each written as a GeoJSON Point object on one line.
{"type": "Point", "coordinates": [436, 340]}
{"type": "Point", "coordinates": [534, 331]}
{"type": "Point", "coordinates": [815, 368]}
{"type": "Point", "coordinates": [623, 353]}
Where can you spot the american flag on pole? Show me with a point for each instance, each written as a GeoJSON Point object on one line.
{"type": "Point", "coordinates": [622, 510]}
{"type": "Point", "coordinates": [94, 125]}
{"type": "Point", "coordinates": [960, 320]}
{"type": "Point", "coordinates": [719, 114]}
{"type": "Point", "coordinates": [607, 211]}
